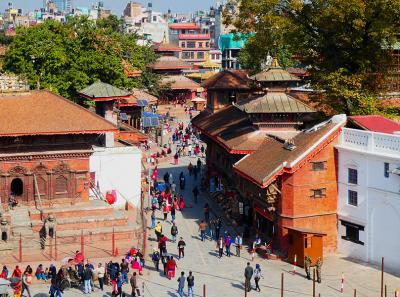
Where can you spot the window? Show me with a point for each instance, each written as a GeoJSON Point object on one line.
{"type": "Point", "coordinates": [200, 44]}
{"type": "Point", "coordinates": [183, 44]}
{"type": "Point", "coordinates": [386, 172]}
{"type": "Point", "coordinates": [352, 198]}
{"type": "Point", "coordinates": [200, 55]}
{"type": "Point", "coordinates": [185, 55]}
{"type": "Point", "coordinates": [154, 18]}
{"type": "Point", "coordinates": [213, 56]}
{"type": "Point", "coordinates": [352, 232]}
{"type": "Point", "coordinates": [318, 166]}
{"type": "Point", "coordinates": [191, 44]}
{"type": "Point", "coordinates": [207, 44]}
{"type": "Point", "coordinates": [318, 193]}
{"type": "Point", "coordinates": [353, 176]}
{"type": "Point", "coordinates": [61, 185]}
{"type": "Point", "coordinates": [307, 242]}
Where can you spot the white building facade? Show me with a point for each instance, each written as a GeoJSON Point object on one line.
{"type": "Point", "coordinates": [117, 169]}
{"type": "Point", "coordinates": [369, 196]}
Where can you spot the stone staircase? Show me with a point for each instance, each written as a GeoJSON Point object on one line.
{"type": "Point", "coordinates": [21, 223]}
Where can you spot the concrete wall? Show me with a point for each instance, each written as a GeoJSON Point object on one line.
{"type": "Point", "coordinates": [378, 209]}
{"type": "Point", "coordinates": [118, 168]}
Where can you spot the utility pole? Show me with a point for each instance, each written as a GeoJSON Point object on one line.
{"type": "Point", "coordinates": [382, 272]}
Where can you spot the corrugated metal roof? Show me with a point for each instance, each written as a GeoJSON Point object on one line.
{"type": "Point", "coordinates": [275, 102]}
{"type": "Point", "coordinates": [274, 74]}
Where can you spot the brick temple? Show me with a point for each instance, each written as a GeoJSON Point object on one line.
{"type": "Point", "coordinates": [51, 150]}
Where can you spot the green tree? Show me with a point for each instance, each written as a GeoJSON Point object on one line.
{"type": "Point", "coordinates": [66, 58]}
{"type": "Point", "coordinates": [353, 38]}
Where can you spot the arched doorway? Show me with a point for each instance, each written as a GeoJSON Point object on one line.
{"type": "Point", "coordinates": [17, 187]}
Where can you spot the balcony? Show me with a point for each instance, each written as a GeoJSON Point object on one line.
{"type": "Point", "coordinates": [371, 142]}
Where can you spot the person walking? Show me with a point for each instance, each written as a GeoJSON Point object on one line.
{"type": "Point", "coordinates": [120, 283]}
{"type": "Point", "coordinates": [156, 258]}
{"type": "Point", "coordinates": [158, 230]}
{"type": "Point", "coordinates": [100, 276]}
{"type": "Point", "coordinates": [319, 265]}
{"type": "Point", "coordinates": [228, 243]}
{"type": "Point", "coordinates": [307, 265]}
{"type": "Point", "coordinates": [218, 226]}
{"type": "Point", "coordinates": [165, 211]}
{"type": "Point", "coordinates": [174, 232]}
{"type": "Point", "coordinates": [202, 229]}
{"type": "Point", "coordinates": [220, 246]}
{"type": "Point", "coordinates": [173, 212]}
{"type": "Point", "coordinates": [153, 219]}
{"type": "Point", "coordinates": [134, 286]}
{"type": "Point", "coordinates": [181, 248]}
{"type": "Point", "coordinates": [181, 284]}
{"type": "Point", "coordinates": [124, 268]}
{"type": "Point", "coordinates": [176, 158]}
{"type": "Point", "coordinates": [190, 283]}
{"type": "Point", "coordinates": [27, 281]}
{"type": "Point", "coordinates": [257, 276]}
{"type": "Point", "coordinates": [212, 227]}
{"type": "Point", "coordinates": [195, 193]}
{"type": "Point", "coordinates": [238, 244]}
{"type": "Point", "coordinates": [248, 274]}
{"type": "Point", "coordinates": [206, 212]}
{"type": "Point", "coordinates": [87, 277]}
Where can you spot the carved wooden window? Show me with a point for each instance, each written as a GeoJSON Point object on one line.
{"type": "Point", "coordinates": [41, 184]}
{"type": "Point", "coordinates": [61, 185]}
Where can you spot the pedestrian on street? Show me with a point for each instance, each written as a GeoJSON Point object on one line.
{"type": "Point", "coordinates": [165, 211]}
{"type": "Point", "coordinates": [134, 286]}
{"type": "Point", "coordinates": [181, 248]}
{"type": "Point", "coordinates": [319, 265]}
{"type": "Point", "coordinates": [100, 276]}
{"type": "Point", "coordinates": [171, 266]}
{"type": "Point", "coordinates": [220, 246]}
{"type": "Point", "coordinates": [158, 230]}
{"type": "Point", "coordinates": [153, 219]}
{"type": "Point", "coordinates": [27, 281]}
{"type": "Point", "coordinates": [218, 226]}
{"type": "Point", "coordinates": [195, 193]}
{"type": "Point", "coordinates": [190, 283]}
{"type": "Point", "coordinates": [156, 258]}
{"type": "Point", "coordinates": [257, 276]}
{"type": "Point", "coordinates": [211, 227]}
{"type": "Point", "coordinates": [87, 277]}
{"type": "Point", "coordinates": [174, 232]}
{"type": "Point", "coordinates": [248, 274]}
{"type": "Point", "coordinates": [173, 212]}
{"type": "Point", "coordinates": [190, 168]}
{"type": "Point", "coordinates": [202, 229]}
{"type": "Point", "coordinates": [162, 244]}
{"type": "Point", "coordinates": [160, 201]}
{"type": "Point", "coordinates": [238, 244]}
{"type": "Point", "coordinates": [206, 212]}
{"type": "Point", "coordinates": [199, 163]}
{"type": "Point", "coordinates": [181, 284]}
{"type": "Point", "coordinates": [228, 243]}
{"type": "Point", "coordinates": [124, 268]}
{"type": "Point", "coordinates": [120, 283]}
{"type": "Point", "coordinates": [182, 182]}
{"type": "Point", "coordinates": [176, 158]}
{"type": "Point", "coordinates": [173, 188]}
{"type": "Point", "coordinates": [164, 260]}
{"type": "Point", "coordinates": [307, 265]}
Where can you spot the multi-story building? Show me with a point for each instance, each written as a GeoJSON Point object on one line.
{"type": "Point", "coordinates": [369, 191]}
{"type": "Point", "coordinates": [194, 41]}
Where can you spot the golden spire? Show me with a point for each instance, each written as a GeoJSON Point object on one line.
{"type": "Point", "coordinates": [275, 63]}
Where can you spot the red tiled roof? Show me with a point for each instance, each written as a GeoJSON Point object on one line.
{"type": "Point", "coordinates": [179, 82]}
{"type": "Point", "coordinates": [45, 113]}
{"type": "Point", "coordinates": [375, 123]}
{"type": "Point", "coordinates": [272, 157]}
{"type": "Point", "coordinates": [138, 95]}
{"type": "Point", "coordinates": [170, 62]}
{"type": "Point", "coordinates": [184, 26]}
{"type": "Point", "coordinates": [228, 79]}
{"type": "Point", "coordinates": [166, 47]}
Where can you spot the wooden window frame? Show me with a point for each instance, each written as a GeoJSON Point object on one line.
{"type": "Point", "coordinates": [315, 164]}
{"type": "Point", "coordinates": [322, 195]}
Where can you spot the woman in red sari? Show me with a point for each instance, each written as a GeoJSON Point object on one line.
{"type": "Point", "coordinates": [171, 266]}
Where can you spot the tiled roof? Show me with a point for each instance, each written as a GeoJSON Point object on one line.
{"type": "Point", "coordinates": [103, 90]}
{"type": "Point", "coordinates": [169, 62]}
{"type": "Point", "coordinates": [43, 112]}
{"type": "Point", "coordinates": [179, 82]}
{"type": "Point", "coordinates": [275, 102]}
{"type": "Point", "coordinates": [139, 95]}
{"type": "Point", "coordinates": [231, 128]}
{"type": "Point", "coordinates": [375, 123]}
{"type": "Point", "coordinates": [272, 156]}
{"type": "Point", "coordinates": [166, 47]}
{"type": "Point", "coordinates": [228, 79]}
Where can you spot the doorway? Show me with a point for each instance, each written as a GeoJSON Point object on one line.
{"type": "Point", "coordinates": [17, 187]}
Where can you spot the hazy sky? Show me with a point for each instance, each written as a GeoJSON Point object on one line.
{"type": "Point", "coordinates": [118, 5]}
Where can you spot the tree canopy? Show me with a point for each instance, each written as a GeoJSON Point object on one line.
{"type": "Point", "coordinates": [345, 45]}
{"type": "Point", "coordinates": [67, 58]}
